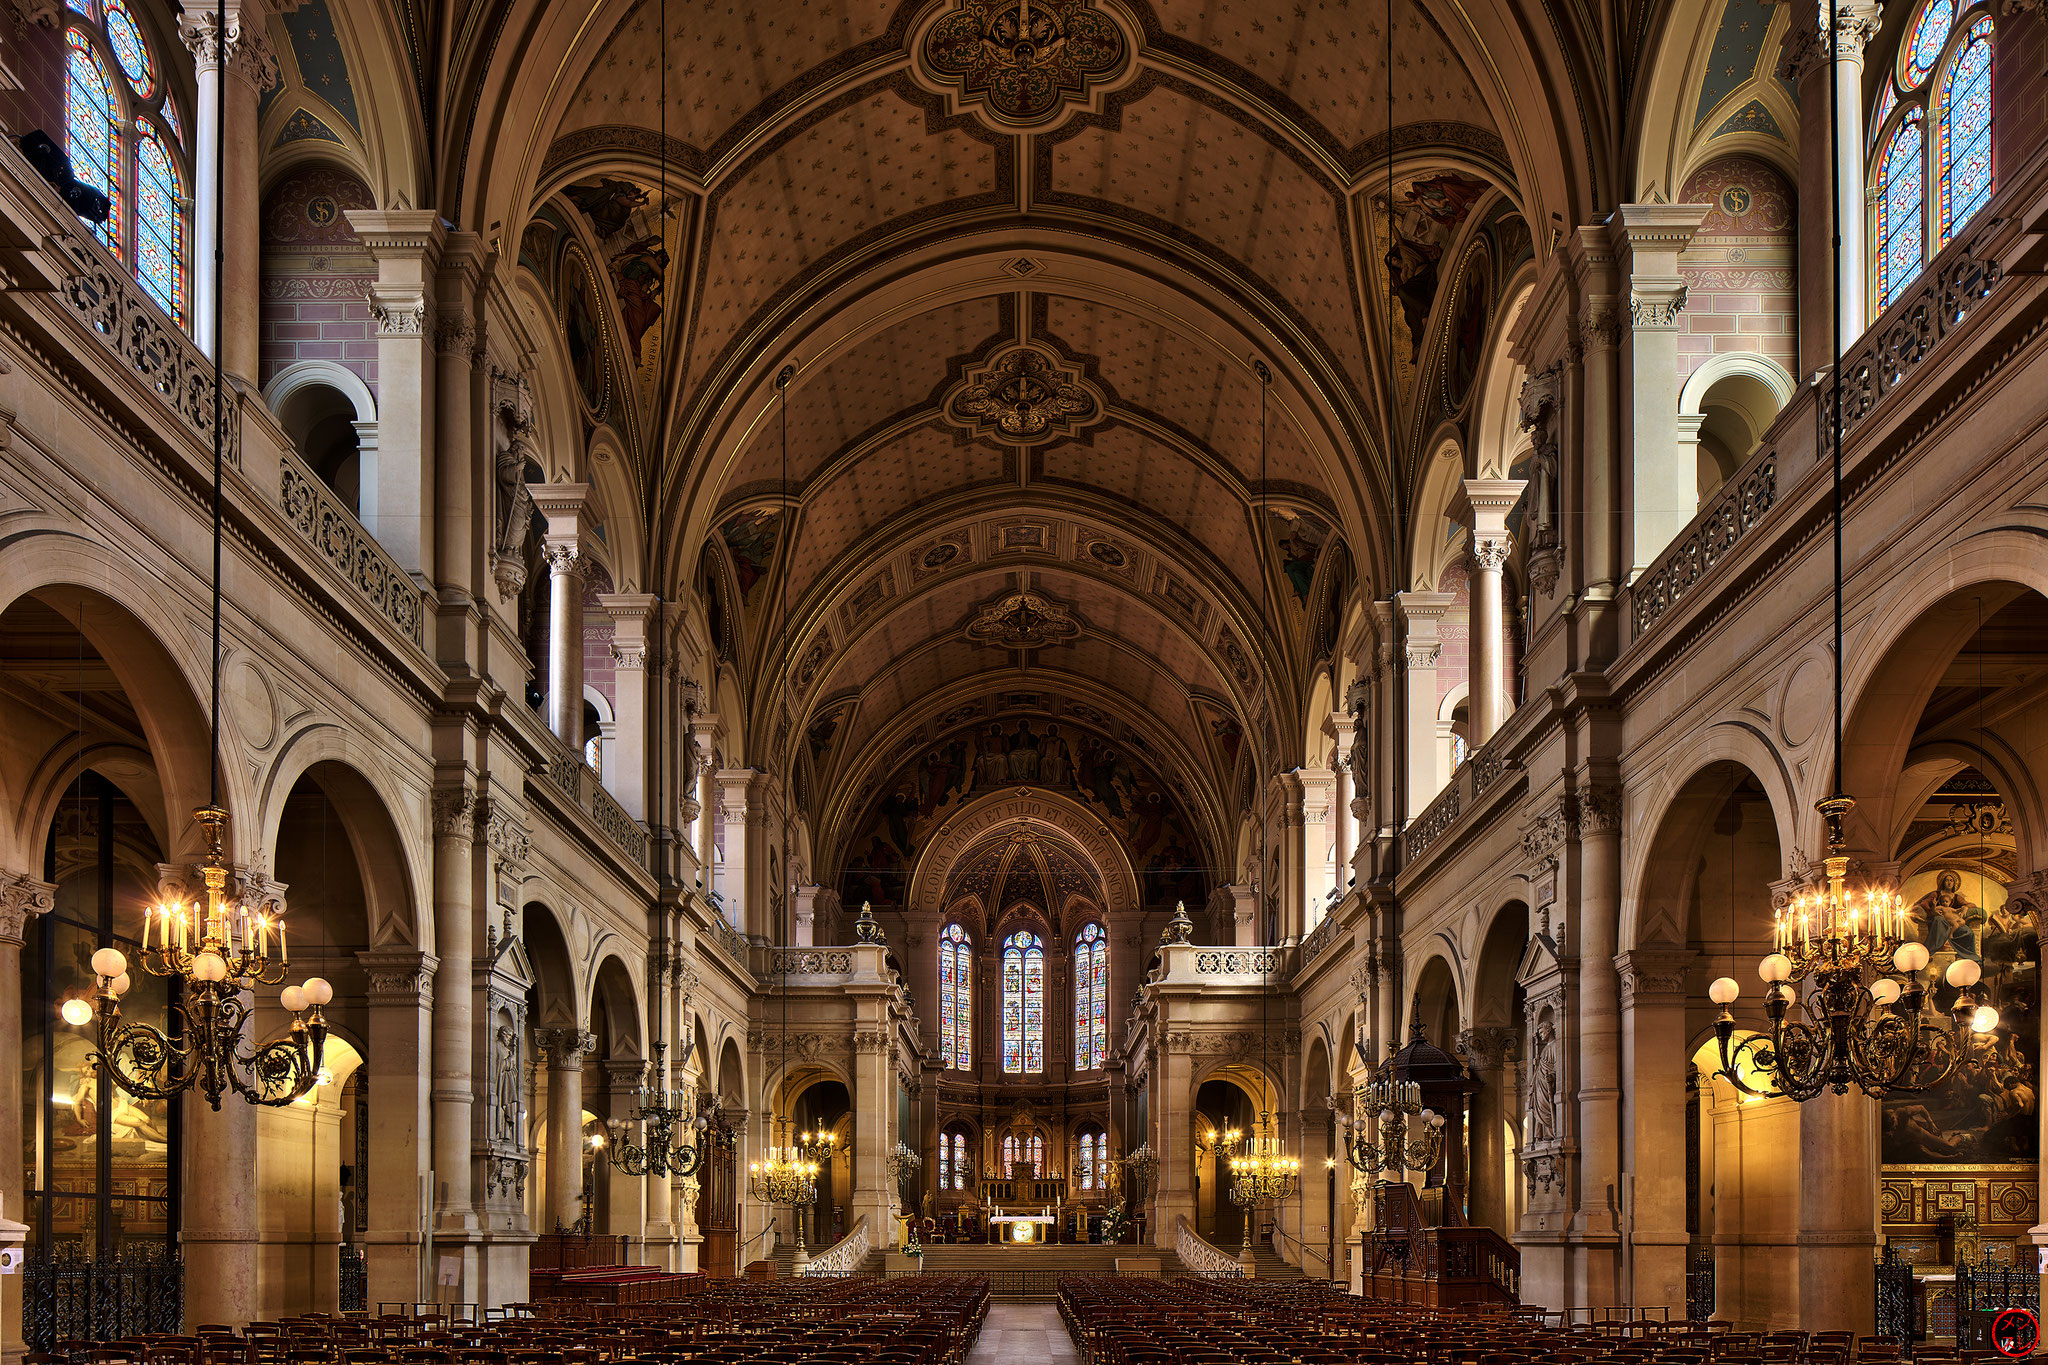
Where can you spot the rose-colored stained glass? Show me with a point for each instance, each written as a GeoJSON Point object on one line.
{"type": "Point", "coordinates": [1965, 132]}
{"type": "Point", "coordinates": [1901, 210]}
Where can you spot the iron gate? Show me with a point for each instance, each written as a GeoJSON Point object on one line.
{"type": "Point", "coordinates": [1896, 1301]}
{"type": "Point", "coordinates": [1699, 1286]}
{"type": "Point", "coordinates": [68, 1295]}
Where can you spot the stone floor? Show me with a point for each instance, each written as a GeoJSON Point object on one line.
{"type": "Point", "coordinates": [1023, 1332]}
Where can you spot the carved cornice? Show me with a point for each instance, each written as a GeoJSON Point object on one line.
{"type": "Point", "coordinates": [399, 317]}
{"type": "Point", "coordinates": [248, 50]}
{"type": "Point", "coordinates": [1653, 975]}
{"type": "Point", "coordinates": [565, 1048]}
{"type": "Point", "coordinates": [1599, 808]}
{"type": "Point", "coordinates": [1551, 828]}
{"type": "Point", "coordinates": [564, 559]}
{"type": "Point", "coordinates": [1656, 312]}
{"type": "Point", "coordinates": [1234, 1045]}
{"type": "Point", "coordinates": [455, 810]}
{"type": "Point", "coordinates": [455, 332]}
{"type": "Point", "coordinates": [1490, 550]}
{"type": "Point", "coordinates": [1489, 1049]}
{"type": "Point", "coordinates": [399, 976]}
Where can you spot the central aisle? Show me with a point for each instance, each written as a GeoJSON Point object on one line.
{"type": "Point", "coordinates": [1023, 1332]}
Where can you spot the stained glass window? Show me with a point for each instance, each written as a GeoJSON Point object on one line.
{"type": "Point", "coordinates": [1923, 46]}
{"type": "Point", "coordinates": [1034, 1152]}
{"type": "Point", "coordinates": [1084, 1163]}
{"type": "Point", "coordinates": [956, 999]}
{"type": "Point", "coordinates": [1091, 1004]}
{"type": "Point", "coordinates": [131, 54]}
{"type": "Point", "coordinates": [1886, 102]}
{"type": "Point", "coordinates": [1901, 210]}
{"type": "Point", "coordinates": [90, 124]}
{"type": "Point", "coordinates": [1965, 131]}
{"type": "Point", "coordinates": [170, 113]}
{"type": "Point", "coordinates": [1023, 1003]}
{"type": "Point", "coordinates": [959, 1161]}
{"type": "Point", "coordinates": [159, 227]}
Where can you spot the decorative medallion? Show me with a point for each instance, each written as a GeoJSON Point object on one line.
{"type": "Point", "coordinates": [1025, 395]}
{"type": "Point", "coordinates": [1024, 63]}
{"type": "Point", "coordinates": [1024, 619]}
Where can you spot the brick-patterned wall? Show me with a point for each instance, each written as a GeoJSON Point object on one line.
{"type": "Point", "coordinates": [35, 55]}
{"type": "Point", "coordinates": [599, 673]}
{"type": "Point", "coordinates": [314, 275]}
{"type": "Point", "coordinates": [2019, 89]}
{"type": "Point", "coordinates": [1453, 660]}
{"type": "Point", "coordinates": [1741, 283]}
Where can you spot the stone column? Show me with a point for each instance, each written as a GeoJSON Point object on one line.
{"type": "Point", "coordinates": [1487, 503]}
{"type": "Point", "coordinates": [564, 1049]}
{"type": "Point", "coordinates": [401, 1010]}
{"type": "Point", "coordinates": [463, 467]}
{"type": "Point", "coordinates": [1173, 1138]}
{"type": "Point", "coordinates": [1593, 1234]}
{"type": "Point", "coordinates": [1244, 915]}
{"type": "Point", "coordinates": [1593, 489]}
{"type": "Point", "coordinates": [398, 504]}
{"type": "Point", "coordinates": [625, 1209]}
{"type": "Point", "coordinates": [806, 912]}
{"type": "Point", "coordinates": [21, 898]}
{"type": "Point", "coordinates": [704, 751]}
{"type": "Point", "coordinates": [734, 788]}
{"type": "Point", "coordinates": [1421, 614]}
{"type": "Point", "coordinates": [1805, 63]}
{"type": "Point", "coordinates": [874, 1106]}
{"type": "Point", "coordinates": [217, 1218]}
{"type": "Point", "coordinates": [454, 1041]}
{"type": "Point", "coordinates": [1653, 1039]}
{"type": "Point", "coordinates": [2028, 894]}
{"type": "Point", "coordinates": [1838, 1225]}
{"type": "Point", "coordinates": [625, 774]}
{"type": "Point", "coordinates": [237, 71]}
{"type": "Point", "coordinates": [1489, 1051]}
{"type": "Point", "coordinates": [1343, 819]}
{"type": "Point", "coordinates": [1296, 877]}
{"type": "Point", "coordinates": [1661, 497]}
{"type": "Point", "coordinates": [564, 505]}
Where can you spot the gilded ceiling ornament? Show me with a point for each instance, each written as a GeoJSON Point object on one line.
{"type": "Point", "coordinates": [1024, 619]}
{"type": "Point", "coordinates": [1024, 62]}
{"type": "Point", "coordinates": [1024, 394]}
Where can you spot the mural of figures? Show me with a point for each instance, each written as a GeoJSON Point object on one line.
{"type": "Point", "coordinates": [580, 329]}
{"type": "Point", "coordinates": [1467, 346]}
{"type": "Point", "coordinates": [629, 227]}
{"type": "Point", "coordinates": [1109, 777]}
{"type": "Point", "coordinates": [752, 537]}
{"type": "Point", "coordinates": [1424, 218]}
{"type": "Point", "coordinates": [1986, 1110]}
{"type": "Point", "coordinates": [1300, 538]}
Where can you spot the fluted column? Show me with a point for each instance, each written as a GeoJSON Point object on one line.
{"type": "Point", "coordinates": [463, 468]}
{"type": "Point", "coordinates": [564, 1049]}
{"type": "Point", "coordinates": [1486, 504]}
{"type": "Point", "coordinates": [237, 70]}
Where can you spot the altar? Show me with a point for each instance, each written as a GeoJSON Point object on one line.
{"type": "Point", "coordinates": [1020, 1229]}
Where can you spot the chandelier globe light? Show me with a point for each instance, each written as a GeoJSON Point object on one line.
{"type": "Point", "coordinates": [673, 1133]}
{"type": "Point", "coordinates": [1263, 1173]}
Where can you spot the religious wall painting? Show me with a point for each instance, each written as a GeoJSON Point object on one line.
{"type": "Point", "coordinates": [1110, 777]}
{"type": "Point", "coordinates": [633, 230]}
{"type": "Point", "coordinates": [751, 537]}
{"type": "Point", "coordinates": [1299, 538]}
{"type": "Point", "coordinates": [1986, 1111]}
{"type": "Point", "coordinates": [1512, 243]}
{"type": "Point", "coordinates": [538, 246]}
{"type": "Point", "coordinates": [580, 329]}
{"type": "Point", "coordinates": [1223, 730]}
{"type": "Point", "coordinates": [1415, 233]}
{"type": "Point", "coordinates": [1465, 339]}
{"type": "Point", "coordinates": [709, 588]}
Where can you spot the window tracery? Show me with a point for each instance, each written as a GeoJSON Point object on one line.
{"type": "Point", "coordinates": [1931, 167]}
{"type": "Point", "coordinates": [124, 139]}
{"type": "Point", "coordinates": [1023, 1004]}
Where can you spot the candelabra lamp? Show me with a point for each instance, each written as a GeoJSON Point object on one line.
{"type": "Point", "coordinates": [219, 952]}
{"type": "Point", "coordinates": [1843, 993]}
{"type": "Point", "coordinates": [672, 1132]}
{"type": "Point", "coordinates": [1263, 1173]}
{"type": "Point", "coordinates": [785, 1175]}
{"type": "Point", "coordinates": [1225, 1141]}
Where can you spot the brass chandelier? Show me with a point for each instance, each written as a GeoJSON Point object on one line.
{"type": "Point", "coordinates": [219, 951]}
{"type": "Point", "coordinates": [673, 1134]}
{"type": "Point", "coordinates": [785, 1174]}
{"type": "Point", "coordinates": [1263, 1173]}
{"type": "Point", "coordinates": [1394, 1149]}
{"type": "Point", "coordinates": [1843, 956]}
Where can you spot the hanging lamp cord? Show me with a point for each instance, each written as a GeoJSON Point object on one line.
{"type": "Point", "coordinates": [220, 139]}
{"type": "Point", "coordinates": [1834, 37]}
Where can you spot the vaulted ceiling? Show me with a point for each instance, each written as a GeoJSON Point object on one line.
{"type": "Point", "coordinates": [1085, 307]}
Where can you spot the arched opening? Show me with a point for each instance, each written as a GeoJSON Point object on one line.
{"type": "Point", "coordinates": [616, 1070]}
{"type": "Point", "coordinates": [334, 436]}
{"type": "Point", "coordinates": [823, 1106]}
{"type": "Point", "coordinates": [1223, 1106]}
{"type": "Point", "coordinates": [1492, 1049]}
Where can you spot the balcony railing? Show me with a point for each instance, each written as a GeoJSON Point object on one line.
{"type": "Point", "coordinates": [324, 523]}
{"type": "Point", "coordinates": [574, 779]}
{"type": "Point", "coordinates": [1436, 818]}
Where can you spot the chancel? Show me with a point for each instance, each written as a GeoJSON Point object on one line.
{"type": "Point", "coordinates": [923, 680]}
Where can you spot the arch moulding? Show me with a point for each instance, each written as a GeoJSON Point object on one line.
{"type": "Point", "coordinates": [1027, 806]}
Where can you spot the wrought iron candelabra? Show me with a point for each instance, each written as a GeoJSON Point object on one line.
{"type": "Point", "coordinates": [673, 1133]}
{"type": "Point", "coordinates": [787, 1173]}
{"type": "Point", "coordinates": [220, 951]}
{"type": "Point", "coordinates": [1842, 957]}
{"type": "Point", "coordinates": [1264, 1173]}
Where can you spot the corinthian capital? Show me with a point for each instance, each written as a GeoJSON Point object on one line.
{"type": "Point", "coordinates": [245, 46]}
{"type": "Point", "coordinates": [21, 897]}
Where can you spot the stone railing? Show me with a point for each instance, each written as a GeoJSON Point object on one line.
{"type": "Point", "coordinates": [1208, 1261]}
{"type": "Point", "coordinates": [105, 298]}
{"type": "Point", "coordinates": [1320, 937]}
{"type": "Point", "coordinates": [1905, 337]}
{"type": "Point", "coordinates": [1437, 817]}
{"type": "Point", "coordinates": [845, 1257]}
{"type": "Point", "coordinates": [810, 962]}
{"type": "Point", "coordinates": [619, 827]}
{"type": "Point", "coordinates": [728, 938]}
{"type": "Point", "coordinates": [1741, 503]}
{"type": "Point", "coordinates": [1236, 962]}
{"type": "Point", "coordinates": [1489, 765]}
{"type": "Point", "coordinates": [330, 528]}
{"type": "Point", "coordinates": [567, 775]}
{"type": "Point", "coordinates": [1910, 331]}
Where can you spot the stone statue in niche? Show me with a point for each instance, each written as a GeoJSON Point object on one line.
{"type": "Point", "coordinates": [1543, 1088]}
{"type": "Point", "coordinates": [512, 450]}
{"type": "Point", "coordinates": [505, 1104]}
